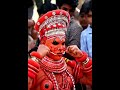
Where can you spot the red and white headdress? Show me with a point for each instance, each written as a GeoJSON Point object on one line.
{"type": "Point", "coordinates": [53, 23]}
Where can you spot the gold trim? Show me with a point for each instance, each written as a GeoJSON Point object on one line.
{"type": "Point", "coordinates": [86, 61]}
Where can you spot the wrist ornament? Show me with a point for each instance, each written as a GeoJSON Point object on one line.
{"type": "Point", "coordinates": [35, 56]}
{"type": "Point", "coordinates": [71, 63]}
{"type": "Point", "coordinates": [87, 65]}
{"type": "Point", "coordinates": [33, 68]}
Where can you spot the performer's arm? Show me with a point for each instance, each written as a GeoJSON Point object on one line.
{"type": "Point", "coordinates": [83, 66]}
{"type": "Point", "coordinates": [33, 68]}
{"type": "Point", "coordinates": [33, 63]}
{"type": "Point", "coordinates": [86, 68]}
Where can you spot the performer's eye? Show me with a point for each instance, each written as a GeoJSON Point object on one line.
{"type": "Point", "coordinates": [55, 42]}
{"type": "Point", "coordinates": [63, 43]}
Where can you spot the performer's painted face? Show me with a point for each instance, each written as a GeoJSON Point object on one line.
{"type": "Point", "coordinates": [57, 47]}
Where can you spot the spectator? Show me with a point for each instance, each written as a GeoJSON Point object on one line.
{"type": "Point", "coordinates": [86, 35]}
{"type": "Point", "coordinates": [47, 6]}
{"type": "Point", "coordinates": [30, 9]}
{"type": "Point", "coordinates": [38, 3]}
{"type": "Point", "coordinates": [74, 30]}
{"type": "Point", "coordinates": [32, 35]}
{"type": "Point", "coordinates": [31, 6]}
{"type": "Point", "coordinates": [83, 15]}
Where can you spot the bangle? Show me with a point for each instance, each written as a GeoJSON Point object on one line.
{"type": "Point", "coordinates": [31, 75]}
{"type": "Point", "coordinates": [71, 63]}
{"type": "Point", "coordinates": [88, 69]}
{"type": "Point", "coordinates": [33, 63]}
{"type": "Point", "coordinates": [33, 68]}
{"type": "Point", "coordinates": [66, 60]}
{"type": "Point", "coordinates": [35, 54]}
{"type": "Point", "coordinates": [86, 61]}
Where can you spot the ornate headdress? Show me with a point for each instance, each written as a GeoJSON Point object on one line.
{"type": "Point", "coordinates": [53, 23]}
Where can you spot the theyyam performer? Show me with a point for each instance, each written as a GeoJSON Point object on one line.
{"type": "Point", "coordinates": [47, 68]}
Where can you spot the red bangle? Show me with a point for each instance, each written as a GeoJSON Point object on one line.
{"type": "Point", "coordinates": [33, 63]}
{"type": "Point", "coordinates": [31, 74]}
{"type": "Point", "coordinates": [88, 67]}
{"type": "Point", "coordinates": [36, 54]}
{"type": "Point", "coordinates": [89, 63]}
{"type": "Point", "coordinates": [88, 71]}
{"type": "Point", "coordinates": [83, 58]}
{"type": "Point", "coordinates": [32, 71]}
{"type": "Point", "coordinates": [33, 68]}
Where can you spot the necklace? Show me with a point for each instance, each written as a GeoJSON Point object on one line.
{"type": "Point", "coordinates": [51, 68]}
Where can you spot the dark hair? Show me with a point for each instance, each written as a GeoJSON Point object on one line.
{"type": "Point", "coordinates": [72, 3]}
{"type": "Point", "coordinates": [46, 7]}
{"type": "Point", "coordinates": [86, 7]}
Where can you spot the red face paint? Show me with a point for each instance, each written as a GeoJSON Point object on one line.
{"type": "Point", "coordinates": [57, 47]}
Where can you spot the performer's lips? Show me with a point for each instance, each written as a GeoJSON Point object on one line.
{"type": "Point", "coordinates": [59, 53]}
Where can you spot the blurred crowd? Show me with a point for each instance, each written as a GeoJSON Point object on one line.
{"type": "Point", "coordinates": [79, 31]}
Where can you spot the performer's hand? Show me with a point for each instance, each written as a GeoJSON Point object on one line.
{"type": "Point", "coordinates": [43, 50]}
{"type": "Point", "coordinates": [74, 51]}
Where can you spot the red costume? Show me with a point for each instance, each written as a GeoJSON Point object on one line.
{"type": "Point", "coordinates": [47, 69]}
